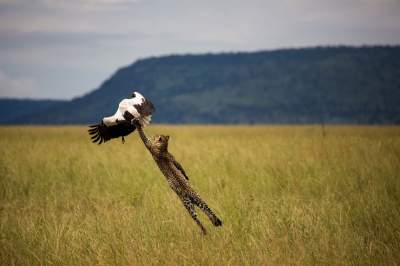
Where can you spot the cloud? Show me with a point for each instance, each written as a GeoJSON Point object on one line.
{"type": "Point", "coordinates": [71, 46]}
{"type": "Point", "coordinates": [20, 39]}
{"type": "Point", "coordinates": [92, 2]}
{"type": "Point", "coordinates": [106, 2]}
{"type": "Point", "coordinates": [88, 5]}
{"type": "Point", "coordinates": [17, 87]}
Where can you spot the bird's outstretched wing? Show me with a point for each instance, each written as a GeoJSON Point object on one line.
{"type": "Point", "coordinates": [119, 125]}
{"type": "Point", "coordinates": [101, 133]}
{"type": "Point", "coordinates": [180, 168]}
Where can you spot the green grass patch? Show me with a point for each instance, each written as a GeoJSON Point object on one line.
{"type": "Point", "coordinates": [286, 195]}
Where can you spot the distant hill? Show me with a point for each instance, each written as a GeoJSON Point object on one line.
{"type": "Point", "coordinates": [309, 85]}
{"type": "Point", "coordinates": [16, 109]}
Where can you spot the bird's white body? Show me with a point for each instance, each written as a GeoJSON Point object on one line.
{"type": "Point", "coordinates": [128, 105]}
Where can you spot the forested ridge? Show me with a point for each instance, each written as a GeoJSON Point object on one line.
{"type": "Point", "coordinates": [358, 85]}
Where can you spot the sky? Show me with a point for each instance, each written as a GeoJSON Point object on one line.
{"type": "Point", "coordinates": [60, 49]}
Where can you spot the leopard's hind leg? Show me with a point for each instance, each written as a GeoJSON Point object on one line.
{"type": "Point", "coordinates": [190, 208]}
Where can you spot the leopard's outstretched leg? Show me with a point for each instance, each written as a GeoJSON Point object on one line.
{"type": "Point", "coordinates": [190, 208]}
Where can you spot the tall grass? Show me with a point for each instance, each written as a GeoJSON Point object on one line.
{"type": "Point", "coordinates": [286, 195]}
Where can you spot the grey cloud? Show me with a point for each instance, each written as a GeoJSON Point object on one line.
{"type": "Point", "coordinates": [69, 47]}
{"type": "Point", "coordinates": [17, 87]}
{"type": "Point", "coordinates": [16, 40]}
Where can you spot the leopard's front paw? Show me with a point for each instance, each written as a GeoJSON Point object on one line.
{"type": "Point", "coordinates": [135, 121]}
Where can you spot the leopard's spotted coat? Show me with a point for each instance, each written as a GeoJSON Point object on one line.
{"type": "Point", "coordinates": [176, 177]}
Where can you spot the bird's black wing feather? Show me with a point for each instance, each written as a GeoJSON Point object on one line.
{"type": "Point", "coordinates": [101, 133]}
{"type": "Point", "coordinates": [145, 108]}
{"type": "Point", "coordinates": [128, 116]}
{"type": "Point", "coordinates": [180, 168]}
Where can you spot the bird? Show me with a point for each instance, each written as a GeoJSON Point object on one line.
{"type": "Point", "coordinates": [119, 124]}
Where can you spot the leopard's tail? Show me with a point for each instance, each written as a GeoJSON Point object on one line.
{"type": "Point", "coordinates": [204, 207]}
{"type": "Point", "coordinates": [216, 221]}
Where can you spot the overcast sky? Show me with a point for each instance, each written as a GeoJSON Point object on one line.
{"type": "Point", "coordinates": [65, 48]}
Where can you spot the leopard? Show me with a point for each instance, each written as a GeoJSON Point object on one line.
{"type": "Point", "coordinates": [176, 176]}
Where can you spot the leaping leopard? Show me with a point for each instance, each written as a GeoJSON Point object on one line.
{"type": "Point", "coordinates": [175, 175]}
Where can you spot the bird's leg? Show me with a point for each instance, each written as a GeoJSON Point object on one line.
{"type": "Point", "coordinates": [123, 140]}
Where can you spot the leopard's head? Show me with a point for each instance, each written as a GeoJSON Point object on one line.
{"type": "Point", "coordinates": [161, 142]}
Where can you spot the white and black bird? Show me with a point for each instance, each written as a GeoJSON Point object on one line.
{"type": "Point", "coordinates": [119, 125]}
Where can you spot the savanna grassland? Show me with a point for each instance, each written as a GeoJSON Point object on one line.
{"type": "Point", "coordinates": [287, 195]}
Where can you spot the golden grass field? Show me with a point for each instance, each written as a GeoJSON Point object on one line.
{"type": "Point", "coordinates": [287, 195]}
